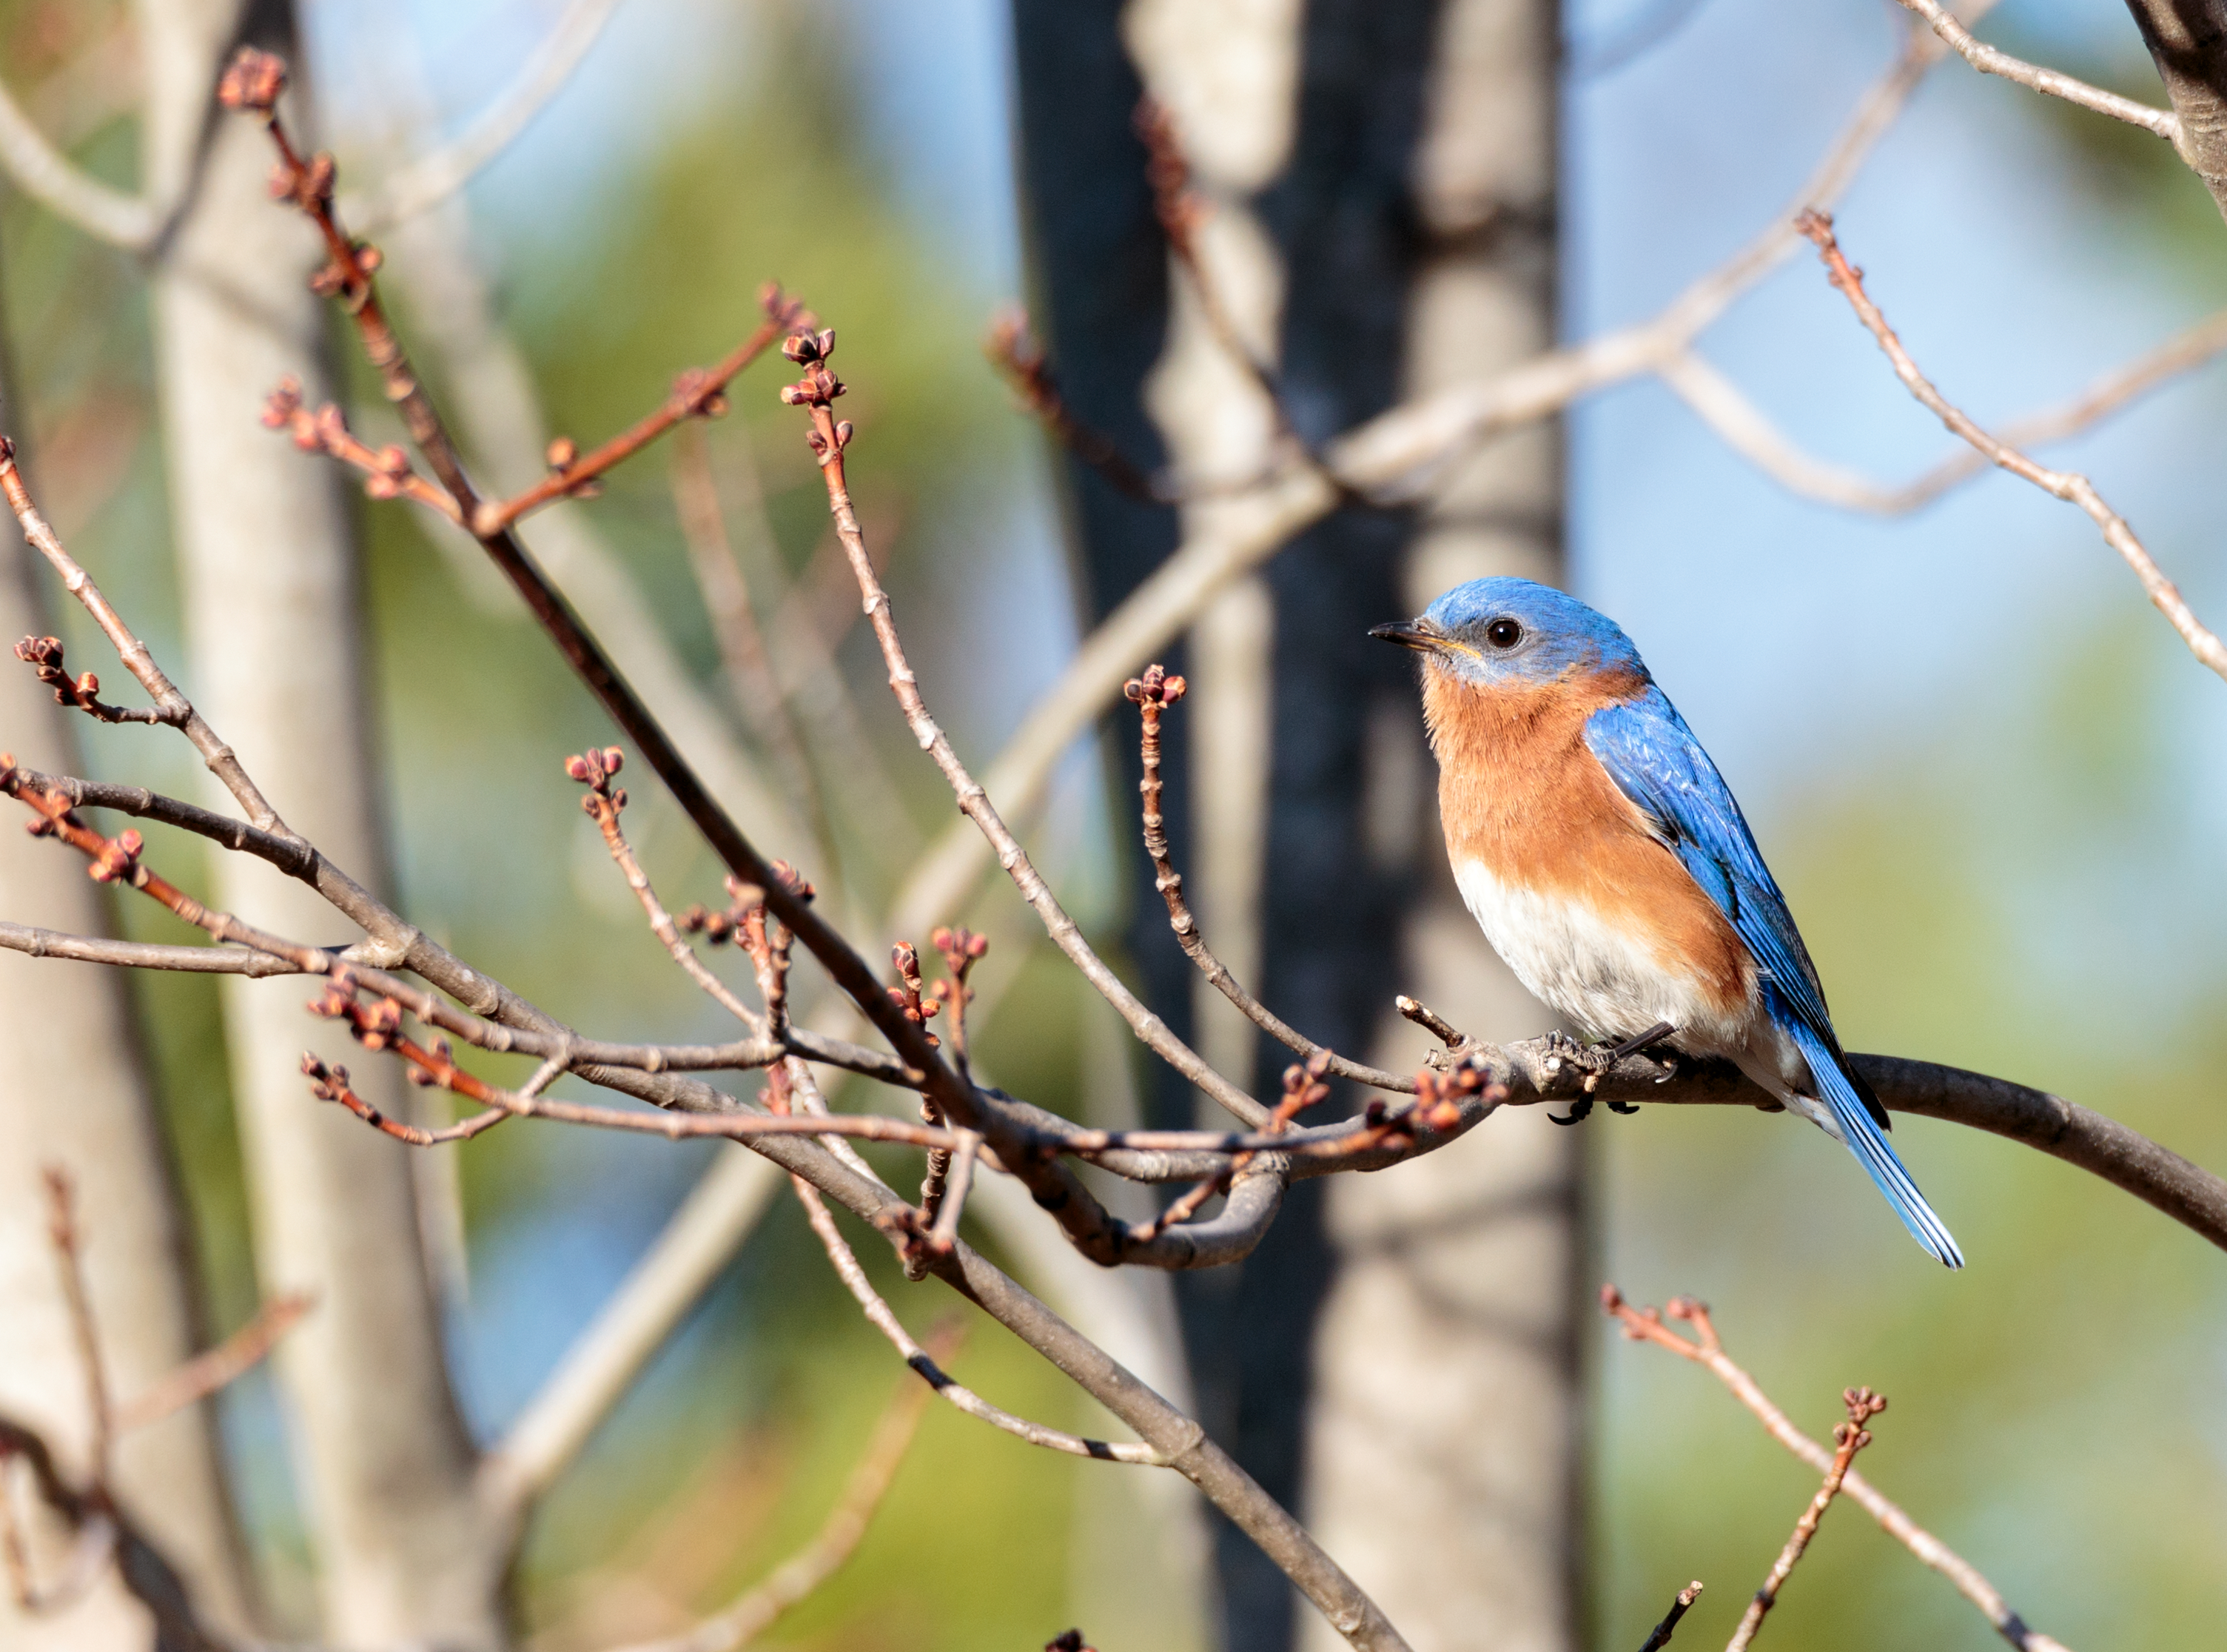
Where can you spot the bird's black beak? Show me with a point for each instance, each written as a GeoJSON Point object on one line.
{"type": "Point", "coordinates": [1408, 634]}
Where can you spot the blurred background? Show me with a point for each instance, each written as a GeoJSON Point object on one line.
{"type": "Point", "coordinates": [1977, 760]}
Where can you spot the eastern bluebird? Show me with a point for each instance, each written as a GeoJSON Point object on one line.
{"type": "Point", "coordinates": [1606, 861]}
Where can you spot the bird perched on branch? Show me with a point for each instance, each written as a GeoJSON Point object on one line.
{"type": "Point", "coordinates": [1607, 862]}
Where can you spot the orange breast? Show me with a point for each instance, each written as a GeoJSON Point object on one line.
{"type": "Point", "coordinates": [1520, 792]}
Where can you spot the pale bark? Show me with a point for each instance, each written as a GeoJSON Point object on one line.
{"type": "Point", "coordinates": [1380, 189]}
{"type": "Point", "coordinates": [1454, 1299]}
{"type": "Point", "coordinates": [267, 556]}
{"type": "Point", "coordinates": [73, 1095]}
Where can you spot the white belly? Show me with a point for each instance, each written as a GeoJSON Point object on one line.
{"type": "Point", "coordinates": [1607, 982]}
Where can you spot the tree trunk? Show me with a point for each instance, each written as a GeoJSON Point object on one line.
{"type": "Point", "coordinates": [1454, 1296]}
{"type": "Point", "coordinates": [267, 556]}
{"type": "Point", "coordinates": [1381, 180]}
{"type": "Point", "coordinates": [76, 1098]}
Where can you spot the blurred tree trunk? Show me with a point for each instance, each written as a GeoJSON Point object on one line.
{"type": "Point", "coordinates": [268, 565]}
{"type": "Point", "coordinates": [1399, 1358]}
{"type": "Point", "coordinates": [76, 1097]}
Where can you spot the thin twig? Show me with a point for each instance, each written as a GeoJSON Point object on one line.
{"type": "Point", "coordinates": [118, 860]}
{"type": "Point", "coordinates": [816, 392]}
{"type": "Point", "coordinates": [1020, 360]}
{"type": "Point", "coordinates": [174, 706]}
{"type": "Point", "coordinates": [1704, 1350]}
{"type": "Point", "coordinates": [603, 801]}
{"type": "Point", "coordinates": [82, 692]}
{"type": "Point", "coordinates": [1744, 427]}
{"type": "Point", "coordinates": [877, 1313]}
{"type": "Point", "coordinates": [1988, 60]}
{"type": "Point", "coordinates": [1848, 1439]}
{"type": "Point", "coordinates": [433, 177]}
{"type": "Point", "coordinates": [750, 680]}
{"type": "Point", "coordinates": [69, 1258]}
{"type": "Point", "coordinates": [41, 171]}
{"type": "Point", "coordinates": [1659, 1636]}
{"type": "Point", "coordinates": [2069, 486]}
{"type": "Point", "coordinates": [207, 1373]}
{"type": "Point", "coordinates": [1152, 694]}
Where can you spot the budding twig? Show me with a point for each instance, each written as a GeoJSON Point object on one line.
{"type": "Point", "coordinates": [1704, 1349]}
{"type": "Point", "coordinates": [1848, 1439]}
{"type": "Point", "coordinates": [1152, 694]}
{"type": "Point", "coordinates": [602, 802]}
{"type": "Point", "coordinates": [1659, 1636]}
{"type": "Point", "coordinates": [1020, 360]}
{"type": "Point", "coordinates": [44, 656]}
{"type": "Point", "coordinates": [878, 1313]}
{"type": "Point", "coordinates": [2069, 486]}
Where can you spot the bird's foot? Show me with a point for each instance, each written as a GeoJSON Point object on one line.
{"type": "Point", "coordinates": [1593, 1063]}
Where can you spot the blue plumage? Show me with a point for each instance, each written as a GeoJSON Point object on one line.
{"type": "Point", "coordinates": [1513, 643]}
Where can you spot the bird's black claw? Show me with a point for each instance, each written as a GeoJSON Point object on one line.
{"type": "Point", "coordinates": [1580, 1111]}
{"type": "Point", "coordinates": [1626, 1108]}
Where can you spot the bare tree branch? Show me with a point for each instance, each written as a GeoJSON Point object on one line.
{"type": "Point", "coordinates": [51, 179]}
{"type": "Point", "coordinates": [1745, 428]}
{"type": "Point", "coordinates": [433, 177]}
{"type": "Point", "coordinates": [1704, 1349]}
{"type": "Point", "coordinates": [2188, 42]}
{"type": "Point", "coordinates": [205, 1374]}
{"type": "Point", "coordinates": [2069, 486]}
{"type": "Point", "coordinates": [1988, 60]}
{"type": "Point", "coordinates": [1848, 1439]}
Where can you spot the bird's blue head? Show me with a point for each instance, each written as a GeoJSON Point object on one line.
{"type": "Point", "coordinates": [1515, 633]}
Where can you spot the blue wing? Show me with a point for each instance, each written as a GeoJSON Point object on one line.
{"type": "Point", "coordinates": [1654, 760]}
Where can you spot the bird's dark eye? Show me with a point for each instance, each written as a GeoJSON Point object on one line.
{"type": "Point", "coordinates": [1503, 633]}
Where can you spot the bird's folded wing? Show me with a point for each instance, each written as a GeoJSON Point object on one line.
{"type": "Point", "coordinates": [1656, 762]}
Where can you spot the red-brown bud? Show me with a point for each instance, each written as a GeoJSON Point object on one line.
{"type": "Point", "coordinates": [252, 82]}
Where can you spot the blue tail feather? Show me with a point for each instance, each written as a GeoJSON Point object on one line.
{"type": "Point", "coordinates": [1870, 1147]}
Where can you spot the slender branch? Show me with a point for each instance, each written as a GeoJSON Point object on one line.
{"type": "Point", "coordinates": [82, 692]}
{"type": "Point", "coordinates": [387, 472]}
{"type": "Point", "coordinates": [138, 954]}
{"type": "Point", "coordinates": [433, 177]}
{"type": "Point", "coordinates": [753, 688]}
{"type": "Point", "coordinates": [174, 706]}
{"type": "Point", "coordinates": [603, 802]}
{"type": "Point", "coordinates": [1152, 694]}
{"type": "Point", "coordinates": [816, 392]}
{"type": "Point", "coordinates": [758, 1609]}
{"type": "Point", "coordinates": [69, 1260]}
{"type": "Point", "coordinates": [1704, 1350]}
{"type": "Point", "coordinates": [1747, 431]}
{"type": "Point", "coordinates": [117, 860]}
{"type": "Point", "coordinates": [1659, 1636]}
{"type": "Point", "coordinates": [698, 392]}
{"type": "Point", "coordinates": [2065, 485]}
{"type": "Point", "coordinates": [1848, 1439]}
{"type": "Point", "coordinates": [877, 1313]}
{"type": "Point", "coordinates": [1020, 361]}
{"type": "Point", "coordinates": [1989, 61]}
{"type": "Point", "coordinates": [207, 1373]}
{"type": "Point", "coordinates": [51, 178]}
